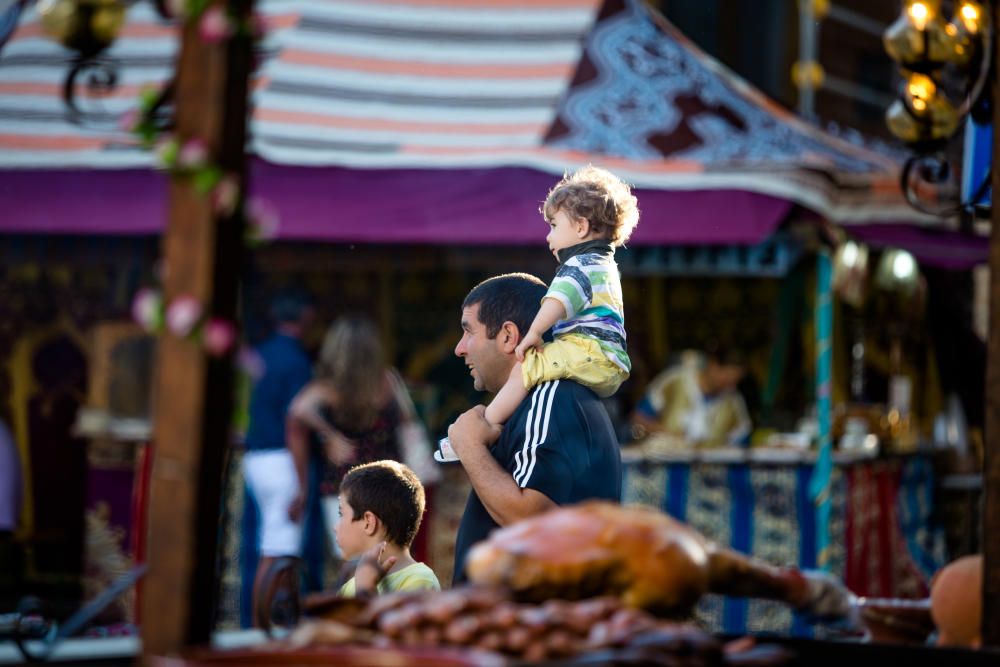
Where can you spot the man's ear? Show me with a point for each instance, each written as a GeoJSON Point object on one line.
{"type": "Point", "coordinates": [371, 523]}
{"type": "Point", "coordinates": [509, 337]}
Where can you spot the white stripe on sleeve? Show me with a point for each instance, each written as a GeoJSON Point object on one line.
{"type": "Point", "coordinates": [519, 456]}
{"type": "Point", "coordinates": [541, 431]}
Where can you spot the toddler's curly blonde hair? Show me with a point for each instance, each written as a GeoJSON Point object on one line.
{"type": "Point", "coordinates": [599, 197]}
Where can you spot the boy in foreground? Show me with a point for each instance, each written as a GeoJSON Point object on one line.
{"type": "Point", "coordinates": [381, 506]}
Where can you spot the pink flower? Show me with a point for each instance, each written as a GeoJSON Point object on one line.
{"type": "Point", "coordinates": [128, 120]}
{"type": "Point", "coordinates": [250, 362]}
{"type": "Point", "coordinates": [219, 336]}
{"type": "Point", "coordinates": [263, 219]}
{"type": "Point", "coordinates": [183, 314]}
{"type": "Point", "coordinates": [147, 309]}
{"type": "Point", "coordinates": [194, 153]}
{"type": "Point", "coordinates": [226, 195]}
{"type": "Point", "coordinates": [215, 26]}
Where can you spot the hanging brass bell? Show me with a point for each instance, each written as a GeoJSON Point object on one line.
{"type": "Point", "coordinates": [86, 26]}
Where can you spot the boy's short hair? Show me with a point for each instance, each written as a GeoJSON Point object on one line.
{"type": "Point", "coordinates": [513, 297]}
{"type": "Point", "coordinates": [599, 197]}
{"type": "Point", "coordinates": [390, 491]}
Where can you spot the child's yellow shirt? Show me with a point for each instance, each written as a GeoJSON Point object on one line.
{"type": "Point", "coordinates": [416, 577]}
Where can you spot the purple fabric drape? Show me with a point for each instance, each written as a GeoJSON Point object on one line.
{"type": "Point", "coordinates": [423, 206]}
{"type": "Point", "coordinates": [426, 206]}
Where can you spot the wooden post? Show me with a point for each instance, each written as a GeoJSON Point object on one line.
{"type": "Point", "coordinates": [991, 463]}
{"type": "Point", "coordinates": [202, 254]}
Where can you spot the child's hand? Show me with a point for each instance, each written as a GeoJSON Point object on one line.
{"type": "Point", "coordinates": [530, 340]}
{"type": "Point", "coordinates": [371, 569]}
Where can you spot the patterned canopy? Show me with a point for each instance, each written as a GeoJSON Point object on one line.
{"type": "Point", "coordinates": [463, 86]}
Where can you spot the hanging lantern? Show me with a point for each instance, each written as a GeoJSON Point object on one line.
{"type": "Point", "coordinates": [923, 114]}
{"type": "Point", "coordinates": [965, 30]}
{"type": "Point", "coordinates": [897, 272]}
{"type": "Point", "coordinates": [86, 26]}
{"type": "Point", "coordinates": [945, 57]}
{"type": "Point", "coordinates": [970, 17]}
{"type": "Point", "coordinates": [922, 41]}
{"type": "Point", "coordinates": [850, 272]}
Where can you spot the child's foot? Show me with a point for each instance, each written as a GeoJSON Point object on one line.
{"type": "Point", "coordinates": [444, 453]}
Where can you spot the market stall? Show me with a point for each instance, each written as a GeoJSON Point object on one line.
{"type": "Point", "coordinates": [733, 153]}
{"type": "Point", "coordinates": [884, 541]}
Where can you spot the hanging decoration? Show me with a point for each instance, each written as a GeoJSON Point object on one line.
{"type": "Point", "coordinates": [191, 158]}
{"type": "Point", "coordinates": [945, 64]}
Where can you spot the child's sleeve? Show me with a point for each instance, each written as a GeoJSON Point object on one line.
{"type": "Point", "coordinates": [572, 288]}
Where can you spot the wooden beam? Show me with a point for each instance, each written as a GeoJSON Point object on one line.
{"type": "Point", "coordinates": [202, 254]}
{"type": "Point", "coordinates": [991, 463]}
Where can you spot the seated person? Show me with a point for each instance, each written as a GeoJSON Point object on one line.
{"type": "Point", "coordinates": [697, 401]}
{"type": "Point", "coordinates": [381, 505]}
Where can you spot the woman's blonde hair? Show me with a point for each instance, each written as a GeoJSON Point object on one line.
{"type": "Point", "coordinates": [351, 361]}
{"type": "Point", "coordinates": [598, 196]}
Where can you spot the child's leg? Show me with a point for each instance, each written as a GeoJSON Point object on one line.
{"type": "Point", "coordinates": [507, 399]}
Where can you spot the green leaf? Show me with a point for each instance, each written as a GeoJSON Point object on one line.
{"type": "Point", "coordinates": [207, 178]}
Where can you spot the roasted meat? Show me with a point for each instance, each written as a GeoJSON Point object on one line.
{"type": "Point", "coordinates": [640, 555]}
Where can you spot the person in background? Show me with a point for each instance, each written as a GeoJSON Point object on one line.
{"type": "Point", "coordinates": [271, 483]}
{"type": "Point", "coordinates": [697, 401]}
{"type": "Point", "coordinates": [381, 506]}
{"type": "Point", "coordinates": [10, 483]}
{"type": "Point", "coordinates": [355, 411]}
{"type": "Point", "coordinates": [11, 497]}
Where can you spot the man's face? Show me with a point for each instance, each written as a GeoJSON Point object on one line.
{"type": "Point", "coordinates": [488, 364]}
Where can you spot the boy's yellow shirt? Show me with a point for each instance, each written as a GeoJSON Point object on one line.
{"type": "Point", "coordinates": [416, 577]}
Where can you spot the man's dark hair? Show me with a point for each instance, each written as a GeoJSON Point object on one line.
{"type": "Point", "coordinates": [390, 491]}
{"type": "Point", "coordinates": [289, 305]}
{"type": "Point", "coordinates": [513, 297]}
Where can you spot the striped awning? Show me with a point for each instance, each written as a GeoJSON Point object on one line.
{"type": "Point", "coordinates": [547, 85]}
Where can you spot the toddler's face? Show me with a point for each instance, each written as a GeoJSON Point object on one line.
{"type": "Point", "coordinates": [564, 232]}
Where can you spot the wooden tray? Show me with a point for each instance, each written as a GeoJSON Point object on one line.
{"type": "Point", "coordinates": [336, 655]}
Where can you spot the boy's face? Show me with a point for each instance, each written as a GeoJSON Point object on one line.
{"type": "Point", "coordinates": [565, 231]}
{"type": "Point", "coordinates": [351, 536]}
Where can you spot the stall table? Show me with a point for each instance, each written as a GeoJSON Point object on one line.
{"type": "Point", "coordinates": [883, 540]}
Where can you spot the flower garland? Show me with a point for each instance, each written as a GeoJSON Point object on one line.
{"type": "Point", "coordinates": [185, 316]}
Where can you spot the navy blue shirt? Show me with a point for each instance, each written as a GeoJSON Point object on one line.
{"type": "Point", "coordinates": [286, 370]}
{"type": "Point", "coordinates": [559, 442]}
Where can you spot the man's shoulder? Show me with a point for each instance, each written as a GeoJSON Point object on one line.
{"type": "Point", "coordinates": [550, 400]}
